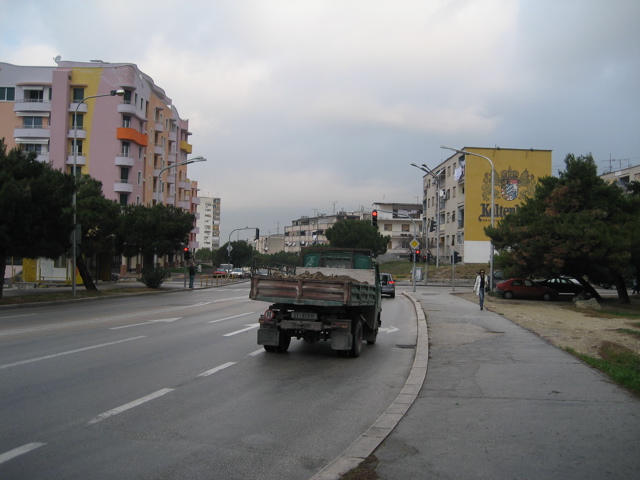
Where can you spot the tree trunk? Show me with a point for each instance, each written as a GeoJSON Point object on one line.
{"type": "Point", "coordinates": [588, 288]}
{"type": "Point", "coordinates": [84, 273]}
{"type": "Point", "coordinates": [3, 266]}
{"type": "Point", "coordinates": [623, 295]}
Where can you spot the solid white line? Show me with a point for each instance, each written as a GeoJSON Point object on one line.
{"type": "Point", "coordinates": [229, 318]}
{"type": "Point", "coordinates": [130, 405]}
{"type": "Point", "coordinates": [217, 369]}
{"type": "Point", "coordinates": [47, 357]}
{"type": "Point", "coordinates": [5, 457]}
{"type": "Point", "coordinates": [257, 352]}
{"type": "Point", "coordinates": [249, 327]}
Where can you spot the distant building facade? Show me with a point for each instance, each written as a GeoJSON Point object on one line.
{"type": "Point", "coordinates": [402, 222]}
{"type": "Point", "coordinates": [131, 143]}
{"type": "Point", "coordinates": [208, 221]}
{"type": "Point", "coordinates": [623, 177]}
{"type": "Point", "coordinates": [457, 198]}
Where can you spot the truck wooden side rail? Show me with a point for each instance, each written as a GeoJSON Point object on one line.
{"type": "Point", "coordinates": [324, 299]}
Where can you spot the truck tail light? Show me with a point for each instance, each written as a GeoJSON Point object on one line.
{"type": "Point", "coordinates": [340, 325]}
{"type": "Point", "coordinates": [268, 316]}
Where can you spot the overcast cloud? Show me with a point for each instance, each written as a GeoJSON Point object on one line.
{"type": "Point", "coordinates": [306, 107]}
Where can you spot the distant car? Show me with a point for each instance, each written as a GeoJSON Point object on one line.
{"type": "Point", "coordinates": [563, 285]}
{"type": "Point", "coordinates": [220, 272]}
{"type": "Point", "coordinates": [237, 272]}
{"type": "Point", "coordinates": [524, 288]}
{"type": "Point", "coordinates": [388, 285]}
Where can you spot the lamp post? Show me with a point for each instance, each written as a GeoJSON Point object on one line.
{"type": "Point", "coordinates": [174, 165]}
{"type": "Point", "coordinates": [426, 169]}
{"type": "Point", "coordinates": [120, 92]}
{"type": "Point", "coordinates": [491, 249]}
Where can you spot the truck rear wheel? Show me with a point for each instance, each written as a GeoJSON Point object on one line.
{"type": "Point", "coordinates": [356, 348]}
{"type": "Point", "coordinates": [283, 342]}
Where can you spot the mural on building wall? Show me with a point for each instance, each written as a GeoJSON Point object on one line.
{"type": "Point", "coordinates": [516, 174]}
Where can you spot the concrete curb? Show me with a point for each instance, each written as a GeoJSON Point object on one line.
{"type": "Point", "coordinates": [365, 445]}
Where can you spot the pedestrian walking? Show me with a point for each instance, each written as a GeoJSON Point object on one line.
{"type": "Point", "coordinates": [192, 274]}
{"type": "Point", "coordinates": [636, 288]}
{"type": "Point", "coordinates": [479, 287]}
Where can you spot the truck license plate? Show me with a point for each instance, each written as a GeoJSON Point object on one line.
{"type": "Point", "coordinates": [304, 315]}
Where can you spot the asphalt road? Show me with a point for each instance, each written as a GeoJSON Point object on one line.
{"type": "Point", "coordinates": [175, 386]}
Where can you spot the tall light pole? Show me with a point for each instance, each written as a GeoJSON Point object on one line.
{"type": "Point", "coordinates": [426, 169]}
{"type": "Point", "coordinates": [120, 92]}
{"type": "Point", "coordinates": [491, 249]}
{"type": "Point", "coordinates": [174, 165]}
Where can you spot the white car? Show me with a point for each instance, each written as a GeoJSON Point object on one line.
{"type": "Point", "coordinates": [237, 272]}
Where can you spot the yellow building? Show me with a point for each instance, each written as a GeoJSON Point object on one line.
{"type": "Point", "coordinates": [457, 198]}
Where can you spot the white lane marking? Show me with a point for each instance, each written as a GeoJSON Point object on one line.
{"type": "Point", "coordinates": [104, 319]}
{"type": "Point", "coordinates": [129, 405]}
{"type": "Point", "coordinates": [5, 457]}
{"type": "Point", "coordinates": [164, 320]}
{"type": "Point", "coordinates": [84, 349]}
{"type": "Point", "coordinates": [229, 318]}
{"type": "Point", "coordinates": [249, 327]}
{"type": "Point", "coordinates": [390, 329]}
{"type": "Point", "coordinates": [227, 299]}
{"type": "Point", "coordinates": [217, 369]}
{"type": "Point", "coordinates": [257, 352]}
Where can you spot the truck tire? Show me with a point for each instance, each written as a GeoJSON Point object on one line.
{"type": "Point", "coordinates": [372, 335]}
{"type": "Point", "coordinates": [284, 342]}
{"type": "Point", "coordinates": [270, 348]}
{"type": "Point", "coordinates": [356, 348]}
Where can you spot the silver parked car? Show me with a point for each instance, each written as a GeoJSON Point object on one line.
{"type": "Point", "coordinates": [388, 285]}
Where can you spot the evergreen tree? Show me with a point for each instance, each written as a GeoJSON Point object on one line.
{"type": "Point", "coordinates": [575, 225]}
{"type": "Point", "coordinates": [36, 218]}
{"type": "Point", "coordinates": [357, 234]}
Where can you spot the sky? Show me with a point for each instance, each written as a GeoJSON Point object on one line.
{"type": "Point", "coordinates": [308, 107]}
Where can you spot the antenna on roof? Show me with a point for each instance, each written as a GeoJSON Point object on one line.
{"type": "Point", "coordinates": [57, 59]}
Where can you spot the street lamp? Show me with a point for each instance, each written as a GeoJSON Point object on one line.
{"type": "Point", "coordinates": [120, 92]}
{"type": "Point", "coordinates": [464, 152]}
{"type": "Point", "coordinates": [426, 169]}
{"type": "Point", "coordinates": [174, 165]}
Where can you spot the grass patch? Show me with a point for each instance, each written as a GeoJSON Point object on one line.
{"type": "Point", "coordinates": [629, 331]}
{"type": "Point", "coordinates": [619, 363]}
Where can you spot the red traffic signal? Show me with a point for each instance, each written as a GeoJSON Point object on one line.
{"type": "Point", "coordinates": [374, 218]}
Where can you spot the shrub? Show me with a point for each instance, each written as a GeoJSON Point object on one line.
{"type": "Point", "coordinates": [153, 277]}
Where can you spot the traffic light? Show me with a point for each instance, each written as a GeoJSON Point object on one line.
{"type": "Point", "coordinates": [456, 257]}
{"type": "Point", "coordinates": [257, 234]}
{"type": "Point", "coordinates": [187, 253]}
{"type": "Point", "coordinates": [374, 218]}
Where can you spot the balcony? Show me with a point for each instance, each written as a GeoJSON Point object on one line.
{"type": "Point", "coordinates": [173, 136]}
{"type": "Point", "coordinates": [26, 105]}
{"type": "Point", "coordinates": [81, 107]}
{"type": "Point", "coordinates": [129, 134]}
{"type": "Point", "coordinates": [128, 108]}
{"type": "Point", "coordinates": [158, 150]}
{"type": "Point", "coordinates": [81, 159]}
{"type": "Point", "coordinates": [80, 132]}
{"type": "Point", "coordinates": [158, 127]}
{"type": "Point", "coordinates": [186, 147]}
{"type": "Point", "coordinates": [122, 185]}
{"type": "Point", "coordinates": [124, 160]}
{"type": "Point", "coordinates": [25, 132]}
{"type": "Point", "coordinates": [195, 200]}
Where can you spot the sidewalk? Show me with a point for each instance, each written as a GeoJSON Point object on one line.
{"type": "Point", "coordinates": [499, 402]}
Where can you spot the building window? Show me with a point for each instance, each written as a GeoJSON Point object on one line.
{"type": "Point", "coordinates": [123, 199]}
{"type": "Point", "coordinates": [31, 122]}
{"type": "Point", "coordinates": [77, 121]}
{"type": "Point", "coordinates": [139, 178]}
{"type": "Point", "coordinates": [388, 227]}
{"type": "Point", "coordinates": [126, 121]}
{"type": "Point", "coordinates": [406, 227]}
{"type": "Point", "coordinates": [78, 150]}
{"type": "Point", "coordinates": [125, 149]}
{"type": "Point", "coordinates": [33, 95]}
{"type": "Point", "coordinates": [7, 94]}
{"type": "Point", "coordinates": [78, 95]}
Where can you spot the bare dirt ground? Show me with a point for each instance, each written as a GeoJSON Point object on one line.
{"type": "Point", "coordinates": [564, 325]}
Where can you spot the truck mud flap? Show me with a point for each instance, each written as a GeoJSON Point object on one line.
{"type": "Point", "coordinates": [268, 336]}
{"type": "Point", "coordinates": [341, 340]}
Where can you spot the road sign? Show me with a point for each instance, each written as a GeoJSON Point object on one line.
{"type": "Point", "coordinates": [414, 244]}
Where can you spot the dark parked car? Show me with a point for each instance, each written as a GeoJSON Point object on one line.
{"type": "Point", "coordinates": [524, 288]}
{"type": "Point", "coordinates": [563, 285]}
{"type": "Point", "coordinates": [388, 284]}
